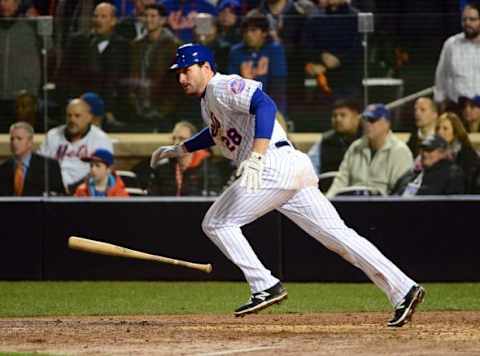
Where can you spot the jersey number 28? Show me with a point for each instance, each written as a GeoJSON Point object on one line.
{"type": "Point", "coordinates": [232, 139]}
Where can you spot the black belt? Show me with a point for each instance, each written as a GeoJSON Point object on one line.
{"type": "Point", "coordinates": [282, 143]}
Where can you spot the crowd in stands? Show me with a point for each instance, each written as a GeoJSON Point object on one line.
{"type": "Point", "coordinates": [109, 65]}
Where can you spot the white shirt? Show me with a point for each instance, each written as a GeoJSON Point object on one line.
{"type": "Point", "coordinates": [69, 154]}
{"type": "Point", "coordinates": [225, 109]}
{"type": "Point", "coordinates": [458, 69]}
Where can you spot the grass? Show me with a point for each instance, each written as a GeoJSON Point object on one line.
{"type": "Point", "coordinates": [25, 299]}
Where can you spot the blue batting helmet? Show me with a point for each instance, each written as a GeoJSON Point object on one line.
{"type": "Point", "coordinates": [192, 53]}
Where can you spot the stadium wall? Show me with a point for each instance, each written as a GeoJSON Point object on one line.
{"type": "Point", "coordinates": [431, 239]}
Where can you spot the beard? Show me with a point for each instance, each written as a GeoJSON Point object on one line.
{"type": "Point", "coordinates": [471, 34]}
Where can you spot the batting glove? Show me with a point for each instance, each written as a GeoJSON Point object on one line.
{"type": "Point", "coordinates": [167, 152]}
{"type": "Point", "coordinates": [250, 172]}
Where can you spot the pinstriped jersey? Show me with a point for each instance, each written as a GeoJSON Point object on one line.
{"type": "Point", "coordinates": [226, 110]}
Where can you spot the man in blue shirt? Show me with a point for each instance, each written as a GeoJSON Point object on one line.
{"type": "Point", "coordinates": [258, 57]}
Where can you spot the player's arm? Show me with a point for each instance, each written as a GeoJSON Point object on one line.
{"type": "Point", "coordinates": [250, 170]}
{"type": "Point", "coordinates": [199, 141]}
{"type": "Point", "coordinates": [264, 109]}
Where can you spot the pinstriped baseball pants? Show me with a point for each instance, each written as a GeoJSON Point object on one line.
{"type": "Point", "coordinates": [310, 210]}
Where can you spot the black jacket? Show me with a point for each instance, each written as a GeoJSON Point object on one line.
{"type": "Point", "coordinates": [414, 142]}
{"type": "Point", "coordinates": [443, 178]}
{"type": "Point", "coordinates": [84, 69]}
{"type": "Point", "coordinates": [333, 148]}
{"type": "Point", "coordinates": [35, 179]}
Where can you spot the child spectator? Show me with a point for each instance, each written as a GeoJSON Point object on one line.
{"type": "Point", "coordinates": [102, 180]}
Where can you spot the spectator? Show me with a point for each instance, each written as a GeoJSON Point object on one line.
{"type": "Point", "coordinates": [153, 88]}
{"type": "Point", "coordinates": [258, 57]}
{"type": "Point", "coordinates": [71, 16]}
{"type": "Point", "coordinates": [378, 159]}
{"type": "Point", "coordinates": [97, 107]}
{"type": "Point", "coordinates": [34, 8]}
{"type": "Point", "coordinates": [195, 174]}
{"type": "Point", "coordinates": [26, 109]}
{"type": "Point", "coordinates": [439, 176]}
{"type": "Point", "coordinates": [102, 180]}
{"type": "Point", "coordinates": [127, 8]}
{"type": "Point", "coordinates": [76, 140]}
{"type": "Point", "coordinates": [133, 26]}
{"type": "Point", "coordinates": [181, 16]}
{"type": "Point", "coordinates": [471, 113]}
{"type": "Point", "coordinates": [98, 62]}
{"type": "Point", "coordinates": [333, 51]}
{"type": "Point", "coordinates": [327, 153]}
{"type": "Point", "coordinates": [426, 116]}
{"type": "Point", "coordinates": [229, 22]}
{"type": "Point", "coordinates": [450, 127]}
{"type": "Point", "coordinates": [20, 60]}
{"type": "Point", "coordinates": [458, 69]}
{"type": "Point", "coordinates": [24, 173]}
{"type": "Point", "coordinates": [286, 19]}
{"type": "Point", "coordinates": [205, 32]}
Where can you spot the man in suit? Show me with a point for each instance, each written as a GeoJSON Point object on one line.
{"type": "Point", "coordinates": [24, 173]}
{"type": "Point", "coordinates": [97, 62]}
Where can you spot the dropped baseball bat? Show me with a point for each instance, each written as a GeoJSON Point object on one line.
{"type": "Point", "coordinates": [105, 248]}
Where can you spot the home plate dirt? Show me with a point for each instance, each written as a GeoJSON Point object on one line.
{"type": "Point", "coordinates": [430, 333]}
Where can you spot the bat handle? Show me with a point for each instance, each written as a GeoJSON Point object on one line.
{"type": "Point", "coordinates": [207, 268]}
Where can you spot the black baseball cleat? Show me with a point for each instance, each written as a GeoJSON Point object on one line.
{"type": "Point", "coordinates": [405, 309]}
{"type": "Point", "coordinates": [262, 300]}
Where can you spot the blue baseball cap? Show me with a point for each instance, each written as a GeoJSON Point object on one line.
{"type": "Point", "coordinates": [434, 142]}
{"type": "Point", "coordinates": [234, 4]}
{"type": "Point", "coordinates": [374, 112]}
{"type": "Point", "coordinates": [97, 106]}
{"type": "Point", "coordinates": [101, 155]}
{"type": "Point", "coordinates": [474, 101]}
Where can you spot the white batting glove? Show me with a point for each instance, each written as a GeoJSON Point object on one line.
{"type": "Point", "coordinates": [167, 152]}
{"type": "Point", "coordinates": [250, 172]}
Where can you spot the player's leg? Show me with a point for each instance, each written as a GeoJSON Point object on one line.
{"type": "Point", "coordinates": [316, 215]}
{"type": "Point", "coordinates": [222, 224]}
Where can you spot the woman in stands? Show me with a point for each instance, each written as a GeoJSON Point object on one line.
{"type": "Point", "coordinates": [450, 127]}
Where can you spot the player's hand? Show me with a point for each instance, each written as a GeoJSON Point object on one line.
{"type": "Point", "coordinates": [250, 172]}
{"type": "Point", "coordinates": [166, 152]}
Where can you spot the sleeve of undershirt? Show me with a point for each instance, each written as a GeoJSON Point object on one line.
{"type": "Point", "coordinates": [201, 140]}
{"type": "Point", "coordinates": [264, 109]}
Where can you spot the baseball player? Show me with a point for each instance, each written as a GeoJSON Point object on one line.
{"type": "Point", "coordinates": [272, 175]}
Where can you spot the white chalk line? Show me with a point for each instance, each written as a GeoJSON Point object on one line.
{"type": "Point", "coordinates": [237, 351]}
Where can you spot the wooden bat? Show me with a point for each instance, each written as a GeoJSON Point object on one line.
{"type": "Point", "coordinates": [104, 248]}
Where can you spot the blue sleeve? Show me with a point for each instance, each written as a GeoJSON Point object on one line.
{"type": "Point", "coordinates": [201, 140]}
{"type": "Point", "coordinates": [264, 109]}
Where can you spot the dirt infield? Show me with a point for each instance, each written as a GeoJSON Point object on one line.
{"type": "Point", "coordinates": [431, 333]}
